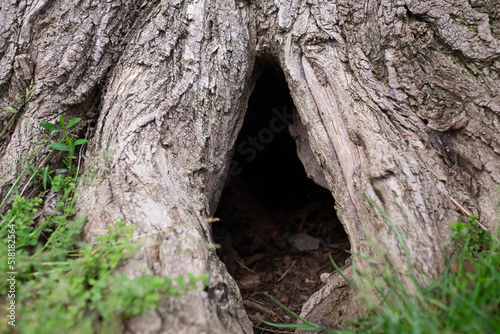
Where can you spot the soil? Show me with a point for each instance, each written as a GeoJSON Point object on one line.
{"type": "Point", "coordinates": [254, 238]}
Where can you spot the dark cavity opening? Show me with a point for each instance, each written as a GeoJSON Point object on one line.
{"type": "Point", "coordinates": [276, 226]}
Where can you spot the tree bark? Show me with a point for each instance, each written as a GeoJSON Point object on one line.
{"type": "Point", "coordinates": [396, 100]}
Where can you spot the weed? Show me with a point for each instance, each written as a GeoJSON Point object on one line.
{"type": "Point", "coordinates": [42, 175]}
{"type": "Point", "coordinates": [67, 144]}
{"type": "Point", "coordinates": [473, 238]}
{"type": "Point", "coordinates": [16, 111]}
{"type": "Point", "coordinates": [464, 299]}
{"type": "Point", "coordinates": [63, 285]}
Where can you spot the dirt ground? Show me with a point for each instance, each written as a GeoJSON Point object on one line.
{"type": "Point", "coordinates": [256, 245]}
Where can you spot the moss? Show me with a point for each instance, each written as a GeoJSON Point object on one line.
{"type": "Point", "coordinates": [494, 19]}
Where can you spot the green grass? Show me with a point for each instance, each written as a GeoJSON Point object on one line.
{"type": "Point", "coordinates": [63, 285]}
{"type": "Point", "coordinates": [464, 299]}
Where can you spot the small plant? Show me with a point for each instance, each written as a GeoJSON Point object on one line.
{"type": "Point", "coordinates": [63, 285]}
{"type": "Point", "coordinates": [471, 236]}
{"type": "Point", "coordinates": [305, 325]}
{"type": "Point", "coordinates": [8, 127]}
{"type": "Point", "coordinates": [67, 144]}
{"type": "Point", "coordinates": [15, 111]}
{"type": "Point", "coordinates": [42, 176]}
{"type": "Point", "coordinates": [464, 299]}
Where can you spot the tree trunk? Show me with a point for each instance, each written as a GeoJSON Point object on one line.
{"type": "Point", "coordinates": [396, 100]}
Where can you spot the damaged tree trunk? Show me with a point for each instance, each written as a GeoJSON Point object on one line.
{"type": "Point", "coordinates": [396, 100]}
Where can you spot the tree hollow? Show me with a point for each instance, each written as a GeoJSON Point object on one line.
{"type": "Point", "coordinates": [277, 226]}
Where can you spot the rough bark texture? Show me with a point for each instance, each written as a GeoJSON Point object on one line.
{"type": "Point", "coordinates": [398, 100]}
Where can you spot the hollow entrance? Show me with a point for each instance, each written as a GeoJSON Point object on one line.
{"type": "Point", "coordinates": [276, 226]}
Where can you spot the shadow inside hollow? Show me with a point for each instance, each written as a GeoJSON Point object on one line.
{"type": "Point", "coordinates": [267, 202]}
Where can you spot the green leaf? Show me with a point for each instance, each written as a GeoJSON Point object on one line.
{"type": "Point", "coordinates": [61, 170]}
{"type": "Point", "coordinates": [29, 92]}
{"type": "Point", "coordinates": [296, 326]}
{"type": "Point", "coordinates": [73, 122]}
{"type": "Point", "coordinates": [31, 168]}
{"type": "Point", "coordinates": [50, 126]}
{"type": "Point", "coordinates": [182, 284]}
{"type": "Point", "coordinates": [60, 147]}
{"type": "Point", "coordinates": [12, 110]}
{"type": "Point", "coordinates": [81, 141]}
{"type": "Point", "coordinates": [295, 315]}
{"type": "Point", "coordinates": [45, 177]}
{"type": "Point", "coordinates": [61, 120]}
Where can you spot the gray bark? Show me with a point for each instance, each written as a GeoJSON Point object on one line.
{"type": "Point", "coordinates": [396, 100]}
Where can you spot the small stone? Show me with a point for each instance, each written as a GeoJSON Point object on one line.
{"type": "Point", "coordinates": [304, 242]}
{"type": "Point", "coordinates": [249, 282]}
{"type": "Point", "coordinates": [324, 277]}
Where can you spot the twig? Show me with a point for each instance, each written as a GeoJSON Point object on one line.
{"type": "Point", "coordinates": [157, 254]}
{"type": "Point", "coordinates": [243, 266]}
{"type": "Point", "coordinates": [466, 212]}
{"type": "Point", "coordinates": [96, 250]}
{"type": "Point", "coordinates": [259, 307]}
{"type": "Point", "coordinates": [80, 153]}
{"type": "Point", "coordinates": [423, 148]}
{"type": "Point", "coordinates": [286, 272]}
